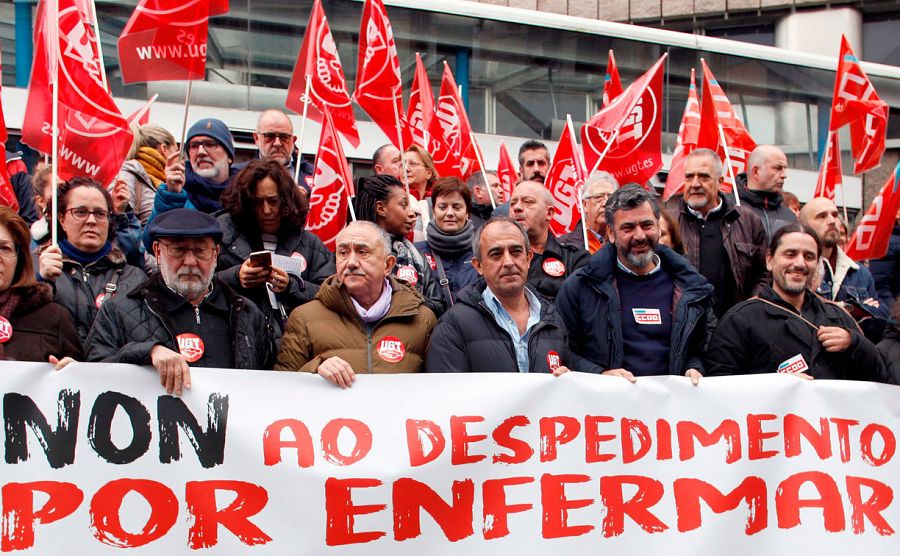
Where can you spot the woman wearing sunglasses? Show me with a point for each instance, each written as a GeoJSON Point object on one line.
{"type": "Point", "coordinates": [86, 268]}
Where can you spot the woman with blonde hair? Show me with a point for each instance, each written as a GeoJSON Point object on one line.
{"type": "Point", "coordinates": [420, 172]}
{"type": "Point", "coordinates": [145, 166]}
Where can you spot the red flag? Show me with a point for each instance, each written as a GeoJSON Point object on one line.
{"type": "Point", "coordinates": [7, 193]}
{"type": "Point", "coordinates": [450, 127]}
{"type": "Point", "coordinates": [633, 121]}
{"type": "Point", "coordinates": [331, 189]}
{"type": "Point", "coordinates": [612, 85]}
{"type": "Point", "coordinates": [166, 40]}
{"type": "Point", "coordinates": [379, 90]}
{"type": "Point", "coordinates": [872, 235]}
{"type": "Point", "coordinates": [506, 172]}
{"type": "Point", "coordinates": [318, 61]}
{"type": "Point", "coordinates": [830, 173]}
{"type": "Point", "coordinates": [94, 137]}
{"type": "Point", "coordinates": [421, 105]}
{"type": "Point", "coordinates": [715, 113]}
{"type": "Point", "coordinates": [856, 102]}
{"type": "Point", "coordinates": [565, 180]}
{"type": "Point", "coordinates": [687, 141]}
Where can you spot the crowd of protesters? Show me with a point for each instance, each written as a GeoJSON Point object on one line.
{"type": "Point", "coordinates": [189, 259]}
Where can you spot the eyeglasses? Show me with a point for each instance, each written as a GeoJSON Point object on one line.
{"type": "Point", "coordinates": [598, 196]}
{"type": "Point", "coordinates": [8, 249]}
{"type": "Point", "coordinates": [414, 164]}
{"type": "Point", "coordinates": [270, 136]}
{"type": "Point", "coordinates": [209, 145]}
{"type": "Point", "coordinates": [81, 214]}
{"type": "Point", "coordinates": [203, 253]}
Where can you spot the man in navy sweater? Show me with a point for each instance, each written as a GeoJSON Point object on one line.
{"type": "Point", "coordinates": [637, 308]}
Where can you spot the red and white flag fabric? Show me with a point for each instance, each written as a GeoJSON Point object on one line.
{"type": "Point", "coordinates": [612, 85]}
{"type": "Point", "coordinates": [319, 63]}
{"type": "Point", "coordinates": [7, 193]}
{"type": "Point", "coordinates": [94, 137]}
{"type": "Point", "coordinates": [420, 110]}
{"type": "Point", "coordinates": [166, 40]}
{"type": "Point", "coordinates": [564, 180]}
{"type": "Point", "coordinates": [717, 113]}
{"type": "Point", "coordinates": [830, 173]}
{"type": "Point", "coordinates": [686, 142]}
{"type": "Point", "coordinates": [506, 172]}
{"type": "Point", "coordinates": [450, 126]}
{"type": "Point", "coordinates": [632, 122]}
{"type": "Point", "coordinates": [872, 235]}
{"type": "Point", "coordinates": [379, 90]}
{"type": "Point", "coordinates": [331, 189]}
{"type": "Point", "coordinates": [857, 103]}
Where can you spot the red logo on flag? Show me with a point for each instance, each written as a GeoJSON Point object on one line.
{"type": "Point", "coordinates": [612, 85]}
{"type": "Point", "coordinates": [391, 349]}
{"type": "Point", "coordinates": [190, 346]}
{"type": "Point", "coordinates": [331, 188]}
{"type": "Point", "coordinates": [872, 235]}
{"type": "Point", "coordinates": [506, 173]}
{"type": "Point", "coordinates": [421, 105]}
{"type": "Point", "coordinates": [686, 142]}
{"type": "Point", "coordinates": [565, 180]}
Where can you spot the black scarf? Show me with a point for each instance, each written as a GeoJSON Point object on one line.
{"type": "Point", "coordinates": [447, 245]}
{"type": "Point", "coordinates": [203, 193]}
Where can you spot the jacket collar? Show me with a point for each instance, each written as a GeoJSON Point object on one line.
{"type": "Point", "coordinates": [471, 296]}
{"type": "Point", "coordinates": [726, 206]}
{"type": "Point", "coordinates": [405, 301]}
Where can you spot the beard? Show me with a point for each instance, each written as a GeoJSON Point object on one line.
{"type": "Point", "coordinates": [791, 287]}
{"type": "Point", "coordinates": [181, 282]}
{"type": "Point", "coordinates": [218, 168]}
{"type": "Point", "coordinates": [639, 260]}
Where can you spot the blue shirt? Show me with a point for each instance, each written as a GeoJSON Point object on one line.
{"type": "Point", "coordinates": [520, 342]}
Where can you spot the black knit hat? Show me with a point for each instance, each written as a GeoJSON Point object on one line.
{"type": "Point", "coordinates": [182, 222]}
{"type": "Point", "coordinates": [214, 128]}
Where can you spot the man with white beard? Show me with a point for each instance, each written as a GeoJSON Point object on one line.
{"type": "Point", "coordinates": [637, 308]}
{"type": "Point", "coordinates": [183, 315]}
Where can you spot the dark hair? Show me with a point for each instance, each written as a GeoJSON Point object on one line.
{"type": "Point", "coordinates": [531, 145]}
{"type": "Point", "coordinates": [674, 231]}
{"type": "Point", "coordinates": [449, 186]}
{"type": "Point", "coordinates": [476, 239]}
{"type": "Point", "coordinates": [62, 197]}
{"type": "Point", "coordinates": [629, 196]}
{"type": "Point", "coordinates": [238, 198]}
{"type": "Point", "coordinates": [21, 236]}
{"type": "Point", "coordinates": [793, 229]}
{"type": "Point", "coordinates": [370, 190]}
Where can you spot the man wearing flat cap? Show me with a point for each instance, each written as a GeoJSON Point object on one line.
{"type": "Point", "coordinates": [182, 315]}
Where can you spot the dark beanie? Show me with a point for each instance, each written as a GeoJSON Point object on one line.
{"type": "Point", "coordinates": [182, 222]}
{"type": "Point", "coordinates": [216, 129]}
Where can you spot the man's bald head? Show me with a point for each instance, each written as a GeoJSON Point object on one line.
{"type": "Point", "coordinates": [274, 136]}
{"type": "Point", "coordinates": [766, 169]}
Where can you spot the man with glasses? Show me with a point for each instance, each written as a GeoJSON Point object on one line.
{"type": "Point", "coordinates": [595, 193]}
{"type": "Point", "coordinates": [725, 242]}
{"type": "Point", "coordinates": [183, 315]}
{"type": "Point", "coordinates": [274, 138]}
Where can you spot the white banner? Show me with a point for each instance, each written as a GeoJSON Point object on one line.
{"type": "Point", "coordinates": [97, 458]}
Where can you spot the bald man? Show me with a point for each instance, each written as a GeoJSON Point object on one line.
{"type": "Point", "coordinates": [760, 187]}
{"type": "Point", "coordinates": [274, 138]}
{"type": "Point", "coordinates": [531, 205]}
{"type": "Point", "coordinates": [843, 280]}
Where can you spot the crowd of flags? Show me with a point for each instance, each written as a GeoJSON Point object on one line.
{"type": "Point", "coordinates": [167, 40]}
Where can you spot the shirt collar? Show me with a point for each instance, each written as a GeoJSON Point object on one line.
{"type": "Point", "coordinates": [699, 214]}
{"type": "Point", "coordinates": [534, 304]}
{"type": "Point", "coordinates": [654, 270]}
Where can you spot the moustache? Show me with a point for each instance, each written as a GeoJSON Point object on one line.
{"type": "Point", "coordinates": [353, 273]}
{"type": "Point", "coordinates": [183, 272]}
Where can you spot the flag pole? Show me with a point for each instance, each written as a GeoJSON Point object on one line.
{"type": "Point", "coordinates": [483, 172]}
{"type": "Point", "coordinates": [306, 102]}
{"type": "Point", "coordinates": [349, 198]}
{"type": "Point", "coordinates": [187, 105]}
{"type": "Point", "coordinates": [737, 198]}
{"type": "Point", "coordinates": [580, 153]}
{"type": "Point", "coordinates": [54, 136]}
{"type": "Point", "coordinates": [96, 24]}
{"type": "Point", "coordinates": [609, 145]}
{"type": "Point", "coordinates": [400, 144]}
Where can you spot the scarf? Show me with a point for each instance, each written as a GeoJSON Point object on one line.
{"type": "Point", "coordinates": [154, 164]}
{"type": "Point", "coordinates": [28, 298]}
{"type": "Point", "coordinates": [203, 193]}
{"type": "Point", "coordinates": [81, 257]}
{"type": "Point", "coordinates": [452, 246]}
{"type": "Point", "coordinates": [379, 309]}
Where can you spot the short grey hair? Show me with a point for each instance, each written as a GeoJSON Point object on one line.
{"type": "Point", "coordinates": [477, 179]}
{"type": "Point", "coordinates": [379, 231]}
{"type": "Point", "coordinates": [710, 154]}
{"type": "Point", "coordinates": [476, 239]}
{"type": "Point", "coordinates": [630, 196]}
{"type": "Point", "coordinates": [598, 177]}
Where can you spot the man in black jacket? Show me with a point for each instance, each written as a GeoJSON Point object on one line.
{"type": "Point", "coordinates": [760, 187]}
{"type": "Point", "coordinates": [499, 324]}
{"type": "Point", "coordinates": [788, 329]}
{"type": "Point", "coordinates": [637, 308]}
{"type": "Point", "coordinates": [182, 314]}
{"type": "Point", "coordinates": [531, 206]}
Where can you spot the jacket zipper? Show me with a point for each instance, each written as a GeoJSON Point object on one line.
{"type": "Point", "coordinates": [368, 350]}
{"type": "Point", "coordinates": [197, 313]}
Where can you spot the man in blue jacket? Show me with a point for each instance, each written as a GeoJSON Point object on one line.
{"type": "Point", "coordinates": [637, 308]}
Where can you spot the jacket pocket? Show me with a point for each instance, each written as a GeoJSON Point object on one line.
{"type": "Point", "coordinates": [748, 250]}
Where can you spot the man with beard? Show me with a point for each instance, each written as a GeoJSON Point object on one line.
{"type": "Point", "coordinates": [637, 308]}
{"type": "Point", "coordinates": [363, 320]}
{"type": "Point", "coordinates": [531, 206]}
{"type": "Point", "coordinates": [841, 279]}
{"type": "Point", "coordinates": [182, 315]}
{"type": "Point", "coordinates": [726, 243]}
{"type": "Point", "coordinates": [788, 329]}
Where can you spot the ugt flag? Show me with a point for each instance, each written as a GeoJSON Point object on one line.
{"type": "Point", "coordinates": [331, 189]}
